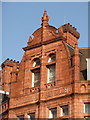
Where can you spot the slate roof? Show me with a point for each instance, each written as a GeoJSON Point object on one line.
{"type": "Point", "coordinates": [85, 53]}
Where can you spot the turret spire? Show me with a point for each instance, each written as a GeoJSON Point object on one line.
{"type": "Point", "coordinates": [45, 19]}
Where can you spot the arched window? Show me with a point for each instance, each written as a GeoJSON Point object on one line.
{"type": "Point", "coordinates": [51, 68]}
{"type": "Point", "coordinates": [36, 62]}
{"type": "Point", "coordinates": [52, 57]}
{"type": "Point", "coordinates": [36, 73]}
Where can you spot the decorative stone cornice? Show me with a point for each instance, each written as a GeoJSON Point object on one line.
{"type": "Point", "coordinates": [44, 43]}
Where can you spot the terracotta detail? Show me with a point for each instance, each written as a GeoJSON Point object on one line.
{"type": "Point", "coordinates": [68, 88]}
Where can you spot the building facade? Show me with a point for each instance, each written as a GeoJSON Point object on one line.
{"type": "Point", "coordinates": [52, 80]}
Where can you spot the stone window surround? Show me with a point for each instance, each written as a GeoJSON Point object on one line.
{"type": "Point", "coordinates": [29, 115]}
{"type": "Point", "coordinates": [62, 108]}
{"type": "Point", "coordinates": [84, 106]}
{"type": "Point", "coordinates": [34, 68]}
{"type": "Point", "coordinates": [59, 112]}
{"type": "Point", "coordinates": [38, 66]}
{"type": "Point", "coordinates": [25, 116]}
{"type": "Point", "coordinates": [50, 63]}
{"type": "Point", "coordinates": [19, 117]}
{"type": "Point", "coordinates": [51, 112]}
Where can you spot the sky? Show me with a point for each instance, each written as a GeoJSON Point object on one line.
{"type": "Point", "coordinates": [21, 19]}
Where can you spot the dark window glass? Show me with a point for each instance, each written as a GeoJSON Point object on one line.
{"type": "Point", "coordinates": [31, 116]}
{"type": "Point", "coordinates": [64, 110]}
{"type": "Point", "coordinates": [37, 62]}
{"type": "Point", "coordinates": [53, 113]}
{"type": "Point", "coordinates": [21, 117]}
{"type": "Point", "coordinates": [52, 58]}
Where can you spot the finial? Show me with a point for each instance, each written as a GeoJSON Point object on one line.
{"type": "Point", "coordinates": [45, 19]}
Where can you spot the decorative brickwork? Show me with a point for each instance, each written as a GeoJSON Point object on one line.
{"type": "Point", "coordinates": [63, 97]}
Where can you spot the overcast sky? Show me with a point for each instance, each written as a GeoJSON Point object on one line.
{"type": "Point", "coordinates": [21, 19]}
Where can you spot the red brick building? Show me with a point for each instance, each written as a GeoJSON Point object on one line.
{"type": "Point", "coordinates": [52, 80]}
